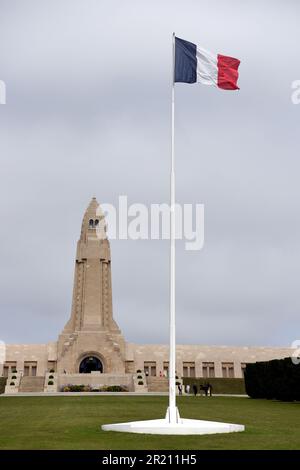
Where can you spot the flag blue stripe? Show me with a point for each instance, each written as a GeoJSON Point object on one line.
{"type": "Point", "coordinates": [185, 61]}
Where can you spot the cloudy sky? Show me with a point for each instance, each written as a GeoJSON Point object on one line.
{"type": "Point", "coordinates": [88, 114]}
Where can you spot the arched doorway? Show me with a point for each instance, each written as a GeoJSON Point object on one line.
{"type": "Point", "coordinates": [90, 364]}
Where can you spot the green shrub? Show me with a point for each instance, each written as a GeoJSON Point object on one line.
{"type": "Point", "coordinates": [14, 377]}
{"type": "Point", "coordinates": [51, 377]}
{"type": "Point", "coordinates": [3, 381]}
{"type": "Point", "coordinates": [88, 388]}
{"type": "Point", "coordinates": [50, 382]}
{"type": "Point", "coordinates": [115, 388]}
{"type": "Point", "coordinates": [14, 371]}
{"type": "Point", "coordinates": [138, 371]}
{"type": "Point", "coordinates": [140, 382]}
{"type": "Point", "coordinates": [139, 377]}
{"type": "Point", "coordinates": [77, 388]}
{"type": "Point", "coordinates": [51, 371]}
{"type": "Point", "coordinates": [277, 379]}
{"type": "Point", "coordinates": [12, 383]}
{"type": "Point", "coordinates": [73, 388]}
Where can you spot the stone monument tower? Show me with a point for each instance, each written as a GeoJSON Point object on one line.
{"type": "Point", "coordinates": [91, 339]}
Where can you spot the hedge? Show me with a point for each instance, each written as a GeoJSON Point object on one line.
{"type": "Point", "coordinates": [88, 388]}
{"type": "Point", "coordinates": [75, 388]}
{"type": "Point", "coordinates": [277, 379]}
{"type": "Point", "coordinates": [114, 388]}
{"type": "Point", "coordinates": [3, 381]}
{"type": "Point", "coordinates": [219, 385]}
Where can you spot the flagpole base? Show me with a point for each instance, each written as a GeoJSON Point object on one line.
{"type": "Point", "coordinates": [183, 427]}
{"type": "Point", "coordinates": [172, 415]}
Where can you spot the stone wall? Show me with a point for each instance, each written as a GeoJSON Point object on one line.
{"type": "Point", "coordinates": [39, 353]}
{"type": "Point", "coordinates": [159, 354]}
{"type": "Point", "coordinates": [154, 355]}
{"type": "Point", "coordinates": [95, 380]}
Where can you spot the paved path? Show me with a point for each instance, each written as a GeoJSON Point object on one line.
{"type": "Point", "coordinates": [94, 394]}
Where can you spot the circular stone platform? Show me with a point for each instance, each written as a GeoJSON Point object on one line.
{"type": "Point", "coordinates": [184, 426]}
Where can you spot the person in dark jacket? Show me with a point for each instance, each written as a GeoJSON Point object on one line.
{"type": "Point", "coordinates": [207, 388]}
{"type": "Point", "coordinates": [195, 389]}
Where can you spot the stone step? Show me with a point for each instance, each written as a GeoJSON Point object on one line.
{"type": "Point", "coordinates": [32, 384]}
{"type": "Point", "coordinates": [157, 384]}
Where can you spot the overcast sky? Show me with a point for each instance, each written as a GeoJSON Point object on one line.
{"type": "Point", "coordinates": [88, 114]}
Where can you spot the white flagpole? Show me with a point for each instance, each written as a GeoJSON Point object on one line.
{"type": "Point", "coordinates": [173, 424]}
{"type": "Point", "coordinates": [172, 413]}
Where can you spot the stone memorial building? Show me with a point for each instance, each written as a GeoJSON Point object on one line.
{"type": "Point", "coordinates": [91, 349]}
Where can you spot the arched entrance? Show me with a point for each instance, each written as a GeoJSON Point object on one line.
{"type": "Point", "coordinates": [90, 364]}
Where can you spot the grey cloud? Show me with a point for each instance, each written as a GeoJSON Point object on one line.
{"type": "Point", "coordinates": [88, 113]}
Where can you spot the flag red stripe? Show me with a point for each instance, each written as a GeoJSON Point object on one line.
{"type": "Point", "coordinates": [228, 72]}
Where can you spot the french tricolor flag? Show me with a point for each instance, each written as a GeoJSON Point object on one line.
{"type": "Point", "coordinates": [194, 64]}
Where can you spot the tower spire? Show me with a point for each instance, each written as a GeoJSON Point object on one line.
{"type": "Point", "coordinates": [91, 327]}
{"type": "Point", "coordinates": [92, 293]}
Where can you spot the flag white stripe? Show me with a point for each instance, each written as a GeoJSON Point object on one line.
{"type": "Point", "coordinates": [207, 67]}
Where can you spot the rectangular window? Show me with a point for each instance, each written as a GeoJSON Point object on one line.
{"type": "Point", "coordinates": [227, 370]}
{"type": "Point", "coordinates": [30, 368]}
{"type": "Point", "coordinates": [208, 369]}
{"type": "Point", "coordinates": [150, 368]}
{"type": "Point", "coordinates": [9, 366]}
{"type": "Point", "coordinates": [188, 369]}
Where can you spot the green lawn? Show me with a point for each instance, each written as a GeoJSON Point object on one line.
{"type": "Point", "coordinates": [74, 422]}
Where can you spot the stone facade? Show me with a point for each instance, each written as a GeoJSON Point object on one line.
{"type": "Point", "coordinates": [200, 361]}
{"type": "Point", "coordinates": [92, 341]}
{"type": "Point", "coordinates": [91, 330]}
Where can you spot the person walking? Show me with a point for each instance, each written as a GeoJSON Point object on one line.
{"type": "Point", "coordinates": [180, 389]}
{"type": "Point", "coordinates": [195, 390]}
{"type": "Point", "coordinates": [187, 389]}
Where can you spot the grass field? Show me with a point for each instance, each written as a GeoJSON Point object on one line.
{"type": "Point", "coordinates": [74, 422]}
